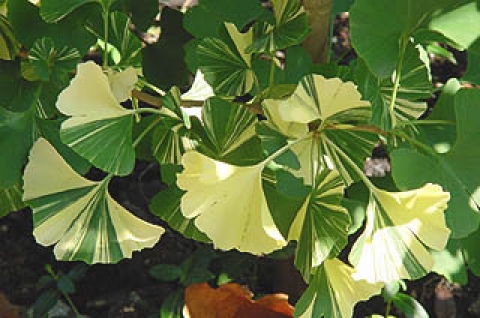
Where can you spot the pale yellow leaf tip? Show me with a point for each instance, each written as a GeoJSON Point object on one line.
{"type": "Point", "coordinates": [229, 204]}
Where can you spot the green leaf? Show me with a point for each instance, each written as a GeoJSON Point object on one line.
{"type": "Point", "coordinates": [226, 68]}
{"type": "Point", "coordinates": [78, 216]}
{"type": "Point", "coordinates": [166, 272]}
{"type": "Point", "coordinates": [415, 86]}
{"type": "Point", "coordinates": [142, 12]}
{"type": "Point", "coordinates": [8, 44]}
{"type": "Point", "coordinates": [455, 170]}
{"type": "Point", "coordinates": [166, 205]}
{"type": "Point", "coordinates": [51, 63]}
{"type": "Point", "coordinates": [451, 262]}
{"type": "Point", "coordinates": [28, 27]}
{"type": "Point", "coordinates": [229, 133]}
{"type": "Point", "coordinates": [471, 251]}
{"type": "Point", "coordinates": [171, 138]}
{"type": "Point", "coordinates": [97, 119]}
{"type": "Point", "coordinates": [128, 46]}
{"type": "Point", "coordinates": [65, 285]}
{"type": "Point", "coordinates": [10, 200]}
{"type": "Point", "coordinates": [55, 10]}
{"type": "Point", "coordinates": [472, 74]}
{"type": "Point", "coordinates": [357, 145]}
{"type": "Point", "coordinates": [377, 34]}
{"type": "Point", "coordinates": [205, 19]}
{"type": "Point", "coordinates": [163, 62]}
{"type": "Point", "coordinates": [172, 305]}
{"type": "Point", "coordinates": [409, 306]}
{"type": "Point", "coordinates": [321, 225]}
{"type": "Point", "coordinates": [333, 292]}
{"type": "Point", "coordinates": [16, 131]}
{"type": "Point", "coordinates": [290, 28]}
{"type": "Point", "coordinates": [45, 302]}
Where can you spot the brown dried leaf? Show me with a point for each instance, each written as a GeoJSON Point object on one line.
{"type": "Point", "coordinates": [7, 310]}
{"type": "Point", "coordinates": [233, 301]}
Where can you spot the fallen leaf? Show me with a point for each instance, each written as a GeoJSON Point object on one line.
{"type": "Point", "coordinates": [7, 310]}
{"type": "Point", "coordinates": [233, 301]}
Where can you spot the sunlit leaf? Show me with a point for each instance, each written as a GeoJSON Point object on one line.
{"type": "Point", "coordinates": [333, 292]}
{"type": "Point", "coordinates": [78, 216]}
{"type": "Point", "coordinates": [456, 170]}
{"type": "Point", "coordinates": [230, 218]}
{"type": "Point", "coordinates": [99, 128]}
{"type": "Point", "coordinates": [399, 227]}
{"type": "Point", "coordinates": [321, 225]}
{"type": "Point", "coordinates": [319, 98]}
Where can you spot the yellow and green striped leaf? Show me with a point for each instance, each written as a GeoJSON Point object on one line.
{"type": "Point", "coordinates": [11, 200]}
{"type": "Point", "coordinates": [319, 98]}
{"type": "Point", "coordinates": [99, 129]}
{"type": "Point", "coordinates": [399, 228]}
{"type": "Point", "coordinates": [78, 216]}
{"type": "Point", "coordinates": [321, 225]}
{"type": "Point", "coordinates": [333, 292]}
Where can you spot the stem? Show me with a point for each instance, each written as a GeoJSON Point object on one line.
{"type": "Point", "coordinates": [106, 21]}
{"type": "Point", "coordinates": [417, 143]}
{"type": "Point", "coordinates": [387, 310]}
{"type": "Point", "coordinates": [282, 150]}
{"type": "Point", "coordinates": [427, 122]}
{"type": "Point", "coordinates": [396, 85]}
{"type": "Point", "coordinates": [147, 111]}
{"type": "Point", "coordinates": [272, 72]}
{"type": "Point", "coordinates": [65, 295]}
{"type": "Point", "coordinates": [352, 164]}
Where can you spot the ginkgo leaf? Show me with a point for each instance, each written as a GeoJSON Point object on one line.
{"type": "Point", "coordinates": [99, 128]}
{"type": "Point", "coordinates": [78, 215]}
{"type": "Point", "coordinates": [233, 301]}
{"type": "Point", "coordinates": [8, 44]}
{"type": "Point", "coordinates": [10, 200]}
{"type": "Point", "coordinates": [399, 227]}
{"type": "Point", "coordinates": [290, 28]}
{"type": "Point", "coordinates": [171, 138]}
{"type": "Point", "coordinates": [415, 87]}
{"type": "Point", "coordinates": [333, 292]}
{"type": "Point", "coordinates": [319, 98]}
{"type": "Point", "coordinates": [200, 90]}
{"type": "Point", "coordinates": [229, 204]}
{"type": "Point", "coordinates": [122, 83]}
{"type": "Point", "coordinates": [321, 225]}
{"type": "Point", "coordinates": [456, 169]}
{"type": "Point", "coordinates": [227, 68]}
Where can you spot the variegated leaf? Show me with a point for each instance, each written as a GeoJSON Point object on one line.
{"type": "Point", "coordinates": [11, 200]}
{"type": "Point", "coordinates": [399, 227]}
{"type": "Point", "coordinates": [333, 292]}
{"type": "Point", "coordinates": [99, 128]}
{"type": "Point", "coordinates": [227, 69]}
{"type": "Point", "coordinates": [321, 225]}
{"type": "Point", "coordinates": [78, 216]}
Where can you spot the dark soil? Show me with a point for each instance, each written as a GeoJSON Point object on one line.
{"type": "Point", "coordinates": [127, 290]}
